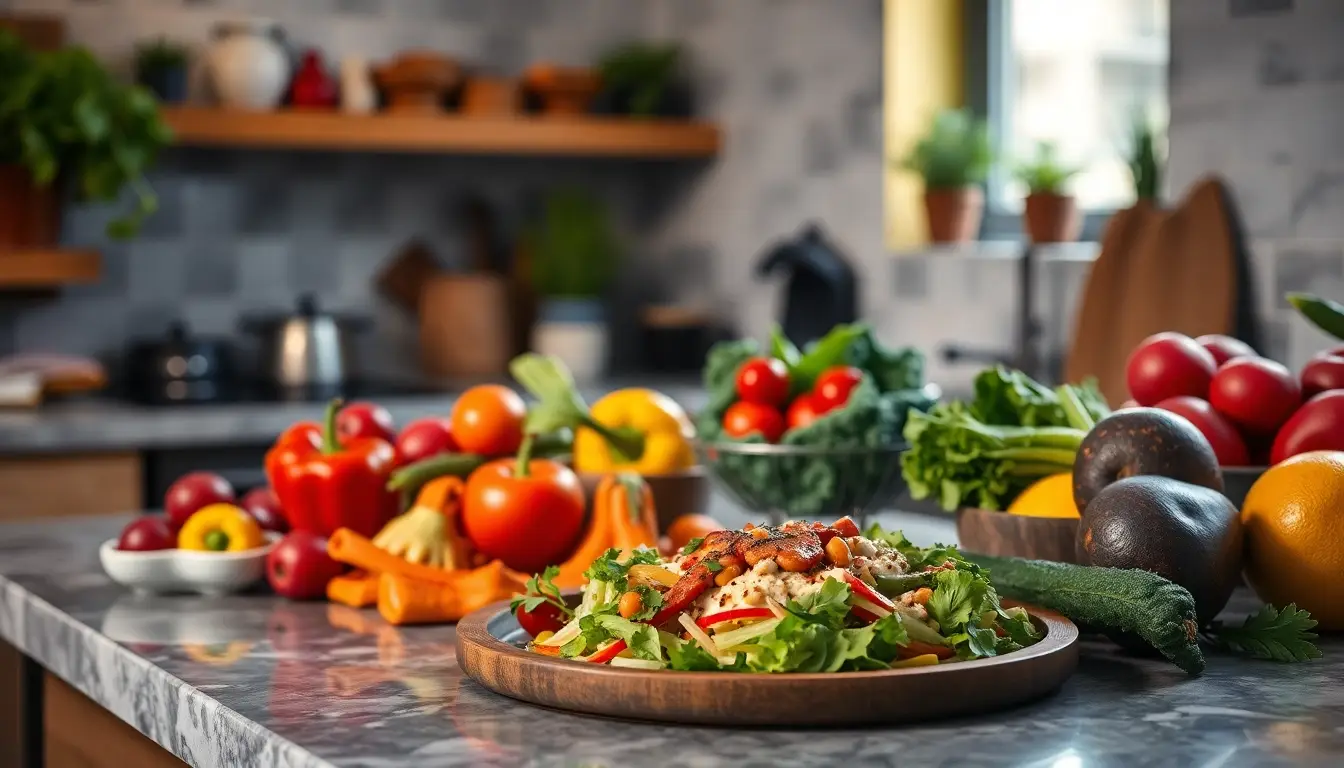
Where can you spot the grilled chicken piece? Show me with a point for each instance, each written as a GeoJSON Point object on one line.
{"type": "Point", "coordinates": [793, 550]}
{"type": "Point", "coordinates": [723, 547]}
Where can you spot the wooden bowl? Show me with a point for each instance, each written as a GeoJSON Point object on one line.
{"type": "Point", "coordinates": [1003, 535]}
{"type": "Point", "coordinates": [674, 494]}
{"type": "Point", "coordinates": [563, 91]}
{"type": "Point", "coordinates": [418, 81]}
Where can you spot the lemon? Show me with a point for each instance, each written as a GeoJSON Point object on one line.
{"type": "Point", "coordinates": [1048, 497]}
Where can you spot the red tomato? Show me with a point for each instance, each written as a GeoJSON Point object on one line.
{"type": "Point", "coordinates": [1323, 372]}
{"type": "Point", "coordinates": [1258, 395]}
{"type": "Point", "coordinates": [489, 420]}
{"type": "Point", "coordinates": [146, 534]}
{"type": "Point", "coordinates": [1224, 348]}
{"type": "Point", "coordinates": [763, 380]}
{"type": "Point", "coordinates": [805, 410]}
{"type": "Point", "coordinates": [834, 385]}
{"type": "Point", "coordinates": [192, 491]}
{"type": "Point", "coordinates": [423, 438]}
{"type": "Point", "coordinates": [544, 618]}
{"type": "Point", "coordinates": [743, 419]}
{"type": "Point", "coordinates": [528, 522]}
{"type": "Point", "coordinates": [1168, 365]}
{"type": "Point", "coordinates": [263, 505]}
{"type": "Point", "coordinates": [365, 420]}
{"type": "Point", "coordinates": [1317, 426]}
{"type": "Point", "coordinates": [1222, 434]}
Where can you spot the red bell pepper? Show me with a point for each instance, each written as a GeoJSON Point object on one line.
{"type": "Point", "coordinates": [324, 485]}
{"type": "Point", "coordinates": [608, 653]}
{"type": "Point", "coordinates": [737, 614]}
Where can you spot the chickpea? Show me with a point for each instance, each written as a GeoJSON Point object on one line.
{"type": "Point", "coordinates": [631, 603]}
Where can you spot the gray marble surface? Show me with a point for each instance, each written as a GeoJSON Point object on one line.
{"type": "Point", "coordinates": [110, 425]}
{"type": "Point", "coordinates": [257, 681]}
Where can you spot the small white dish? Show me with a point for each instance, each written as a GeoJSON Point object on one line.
{"type": "Point", "coordinates": [167, 571]}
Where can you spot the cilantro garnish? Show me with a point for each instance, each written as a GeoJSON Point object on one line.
{"type": "Point", "coordinates": [692, 545]}
{"type": "Point", "coordinates": [1271, 634]}
{"type": "Point", "coordinates": [714, 566]}
{"type": "Point", "coordinates": [541, 589]}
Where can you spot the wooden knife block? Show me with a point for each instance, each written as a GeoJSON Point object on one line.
{"type": "Point", "coordinates": [465, 326]}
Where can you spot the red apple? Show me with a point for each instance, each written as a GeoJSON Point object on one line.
{"type": "Point", "coordinates": [193, 491]}
{"type": "Point", "coordinates": [299, 566]}
{"type": "Point", "coordinates": [1258, 395]}
{"type": "Point", "coordinates": [1227, 443]}
{"type": "Point", "coordinates": [423, 438]}
{"type": "Point", "coordinates": [1323, 372]}
{"type": "Point", "coordinates": [147, 534]}
{"type": "Point", "coordinates": [365, 420]}
{"type": "Point", "coordinates": [1168, 365]}
{"type": "Point", "coordinates": [1224, 348]}
{"type": "Point", "coordinates": [264, 505]}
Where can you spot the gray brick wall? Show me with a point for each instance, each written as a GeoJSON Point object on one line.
{"type": "Point", "coordinates": [796, 85]}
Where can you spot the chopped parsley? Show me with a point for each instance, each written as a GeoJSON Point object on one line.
{"type": "Point", "coordinates": [714, 566]}
{"type": "Point", "coordinates": [541, 590]}
{"type": "Point", "coordinates": [692, 545]}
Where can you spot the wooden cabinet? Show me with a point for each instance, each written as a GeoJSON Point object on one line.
{"type": "Point", "coordinates": [79, 733]}
{"type": "Point", "coordinates": [69, 485]}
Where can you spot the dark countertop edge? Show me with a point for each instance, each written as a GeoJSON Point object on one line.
{"type": "Point", "coordinates": [21, 608]}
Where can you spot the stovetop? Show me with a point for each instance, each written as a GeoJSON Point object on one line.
{"type": "Point", "coordinates": [188, 393]}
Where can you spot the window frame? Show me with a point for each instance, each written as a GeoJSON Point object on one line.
{"type": "Point", "coordinates": [988, 90]}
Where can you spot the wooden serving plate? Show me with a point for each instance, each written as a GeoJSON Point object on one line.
{"type": "Point", "coordinates": [489, 648]}
{"type": "Point", "coordinates": [1003, 535]}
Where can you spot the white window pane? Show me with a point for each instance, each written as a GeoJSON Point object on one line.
{"type": "Point", "coordinates": [1079, 74]}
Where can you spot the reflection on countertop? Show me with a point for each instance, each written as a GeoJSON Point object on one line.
{"type": "Point", "coordinates": [105, 424]}
{"type": "Point", "coordinates": [307, 684]}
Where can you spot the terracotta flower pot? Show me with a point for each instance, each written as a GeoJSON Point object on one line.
{"type": "Point", "coordinates": [1052, 218]}
{"type": "Point", "coordinates": [954, 214]}
{"type": "Point", "coordinates": [30, 216]}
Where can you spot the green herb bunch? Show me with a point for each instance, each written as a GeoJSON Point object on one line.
{"type": "Point", "coordinates": [573, 247]}
{"type": "Point", "coordinates": [160, 54]}
{"type": "Point", "coordinates": [645, 70]}
{"type": "Point", "coordinates": [1145, 161]}
{"type": "Point", "coordinates": [63, 115]}
{"type": "Point", "coordinates": [1044, 174]}
{"type": "Point", "coordinates": [955, 153]}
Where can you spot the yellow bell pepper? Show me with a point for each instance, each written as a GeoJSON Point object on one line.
{"type": "Point", "coordinates": [666, 428]}
{"type": "Point", "coordinates": [220, 528]}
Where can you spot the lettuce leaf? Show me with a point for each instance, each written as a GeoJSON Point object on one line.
{"type": "Point", "coordinates": [641, 639]}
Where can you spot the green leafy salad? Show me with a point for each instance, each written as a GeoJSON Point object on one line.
{"type": "Point", "coordinates": [869, 601]}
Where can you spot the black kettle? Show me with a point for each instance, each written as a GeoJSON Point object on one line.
{"type": "Point", "coordinates": [822, 290]}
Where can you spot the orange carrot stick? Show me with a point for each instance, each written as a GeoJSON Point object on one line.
{"type": "Point", "coordinates": [348, 547]}
{"type": "Point", "coordinates": [405, 600]}
{"type": "Point", "coordinates": [357, 589]}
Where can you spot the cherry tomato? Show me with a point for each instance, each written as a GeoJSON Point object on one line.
{"type": "Point", "coordinates": [358, 420]}
{"type": "Point", "coordinates": [805, 410]}
{"type": "Point", "coordinates": [528, 522]}
{"type": "Point", "coordinates": [543, 618]}
{"type": "Point", "coordinates": [835, 383]}
{"type": "Point", "coordinates": [488, 420]}
{"type": "Point", "coordinates": [423, 438]}
{"type": "Point", "coordinates": [743, 418]}
{"type": "Point", "coordinates": [763, 380]}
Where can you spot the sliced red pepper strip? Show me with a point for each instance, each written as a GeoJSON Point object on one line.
{"type": "Point", "coordinates": [608, 653]}
{"type": "Point", "coordinates": [917, 648]}
{"type": "Point", "coordinates": [863, 614]}
{"type": "Point", "coordinates": [546, 650]}
{"type": "Point", "coordinates": [862, 589]}
{"type": "Point", "coordinates": [737, 614]}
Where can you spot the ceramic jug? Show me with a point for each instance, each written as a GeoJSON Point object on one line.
{"type": "Point", "coordinates": [249, 67]}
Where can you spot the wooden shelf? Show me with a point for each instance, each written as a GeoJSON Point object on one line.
{"type": "Point", "coordinates": [449, 134]}
{"type": "Point", "coordinates": [48, 269]}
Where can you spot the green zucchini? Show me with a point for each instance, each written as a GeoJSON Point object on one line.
{"type": "Point", "coordinates": [1115, 600]}
{"type": "Point", "coordinates": [1323, 313]}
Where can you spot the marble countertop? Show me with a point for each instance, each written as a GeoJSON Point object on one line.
{"type": "Point", "coordinates": [109, 425]}
{"type": "Point", "coordinates": [257, 681]}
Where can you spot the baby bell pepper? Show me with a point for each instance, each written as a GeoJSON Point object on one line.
{"type": "Point", "coordinates": [665, 426]}
{"type": "Point", "coordinates": [324, 485]}
{"type": "Point", "coordinates": [220, 528]}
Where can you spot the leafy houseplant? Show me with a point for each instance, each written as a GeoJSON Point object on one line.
{"type": "Point", "coordinates": [637, 79]}
{"type": "Point", "coordinates": [954, 159]}
{"type": "Point", "coordinates": [574, 258]}
{"type": "Point", "coordinates": [1145, 161]}
{"type": "Point", "coordinates": [1051, 213]}
{"type": "Point", "coordinates": [62, 116]}
{"type": "Point", "coordinates": [161, 66]}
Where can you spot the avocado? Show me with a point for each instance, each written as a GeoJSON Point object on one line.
{"type": "Point", "coordinates": [1142, 441]}
{"type": "Point", "coordinates": [1186, 533]}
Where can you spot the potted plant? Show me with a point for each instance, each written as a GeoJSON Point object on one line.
{"type": "Point", "coordinates": [1145, 162]}
{"type": "Point", "coordinates": [573, 260]}
{"type": "Point", "coordinates": [161, 66]}
{"type": "Point", "coordinates": [953, 159]}
{"type": "Point", "coordinates": [64, 119]}
{"type": "Point", "coordinates": [1051, 213]}
{"type": "Point", "coordinates": [640, 80]}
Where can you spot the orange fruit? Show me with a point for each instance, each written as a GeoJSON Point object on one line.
{"type": "Point", "coordinates": [1294, 518]}
{"type": "Point", "coordinates": [687, 527]}
{"type": "Point", "coordinates": [1048, 497]}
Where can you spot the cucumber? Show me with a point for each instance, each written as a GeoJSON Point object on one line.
{"type": "Point", "coordinates": [1111, 599]}
{"type": "Point", "coordinates": [895, 585]}
{"type": "Point", "coordinates": [1323, 313]}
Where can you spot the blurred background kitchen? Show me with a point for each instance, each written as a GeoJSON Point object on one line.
{"type": "Point", "coordinates": [618, 182]}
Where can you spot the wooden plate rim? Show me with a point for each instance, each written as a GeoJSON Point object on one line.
{"type": "Point", "coordinates": [1060, 635]}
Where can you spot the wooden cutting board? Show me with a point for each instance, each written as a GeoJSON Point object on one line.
{"type": "Point", "coordinates": [1180, 269]}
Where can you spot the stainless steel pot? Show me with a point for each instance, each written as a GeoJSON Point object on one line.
{"type": "Point", "coordinates": [308, 347]}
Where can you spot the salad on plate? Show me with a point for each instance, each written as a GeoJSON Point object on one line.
{"type": "Point", "coordinates": [799, 597]}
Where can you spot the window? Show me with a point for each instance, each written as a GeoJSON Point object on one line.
{"type": "Point", "coordinates": [1074, 73]}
